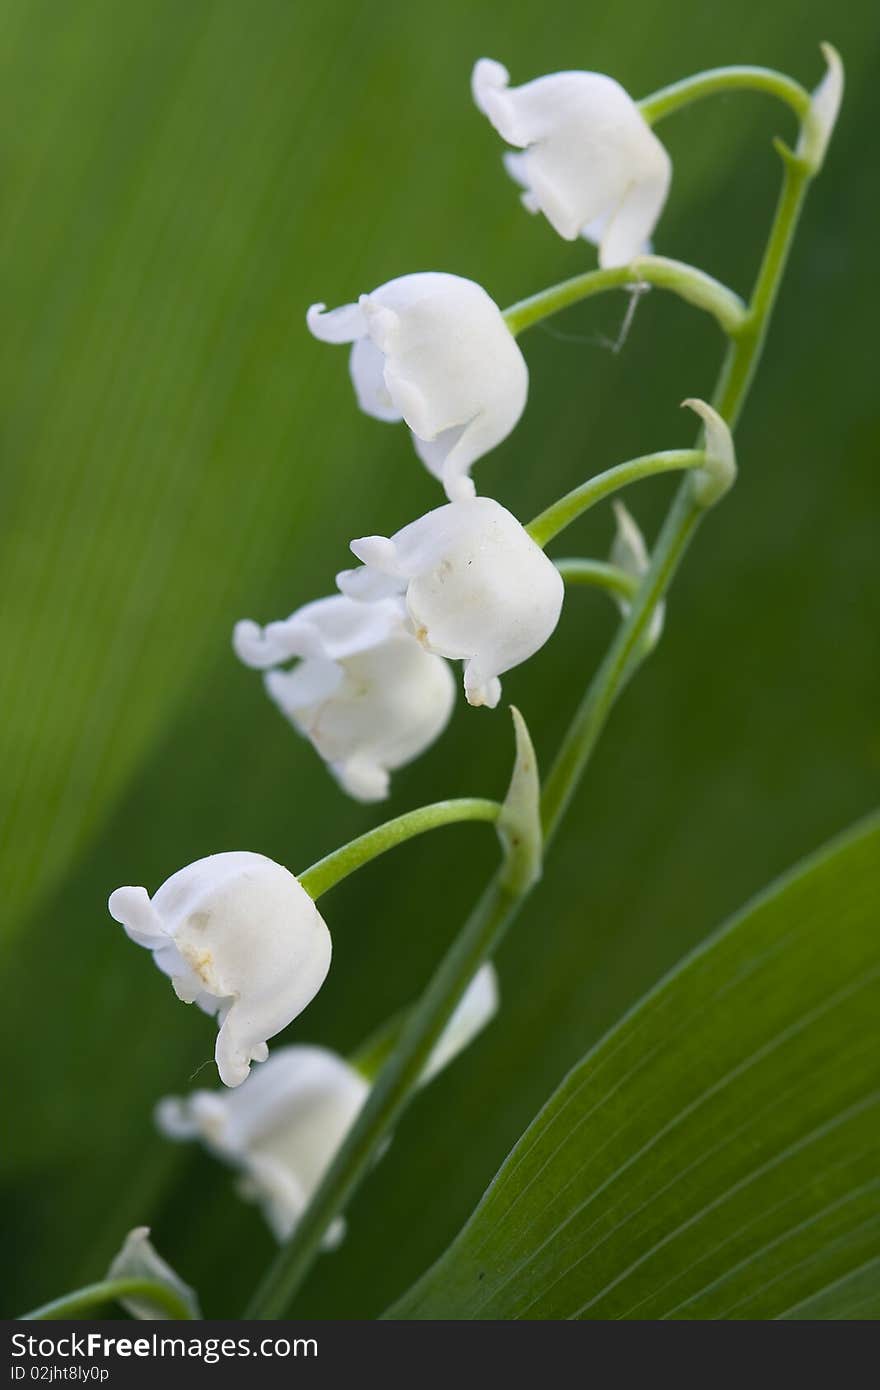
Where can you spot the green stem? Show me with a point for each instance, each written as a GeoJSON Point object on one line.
{"type": "Point", "coordinates": [483, 930]}
{"type": "Point", "coordinates": [476, 941]}
{"type": "Point", "coordinates": [330, 870]}
{"type": "Point", "coordinates": [371, 1056]}
{"type": "Point", "coordinates": [110, 1291]}
{"type": "Point", "coordinates": [548, 524]}
{"type": "Point", "coordinates": [685, 515]}
{"type": "Point", "coordinates": [731, 79]}
{"type": "Point", "coordinates": [620, 662]}
{"type": "Point", "coordinates": [745, 352]}
{"type": "Point", "coordinates": [692, 285]}
{"type": "Point", "coordinates": [601, 575]}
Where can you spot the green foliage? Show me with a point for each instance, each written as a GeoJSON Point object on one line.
{"type": "Point", "coordinates": [180, 182]}
{"type": "Point", "coordinates": [717, 1155]}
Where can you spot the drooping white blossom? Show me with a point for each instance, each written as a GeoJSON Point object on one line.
{"type": "Point", "coordinates": [282, 1130]}
{"type": "Point", "coordinates": [433, 349]}
{"type": "Point", "coordinates": [629, 553]}
{"type": "Point", "coordinates": [367, 695]}
{"type": "Point", "coordinates": [590, 162]}
{"type": "Point", "coordinates": [240, 937]}
{"type": "Point", "coordinates": [478, 589]}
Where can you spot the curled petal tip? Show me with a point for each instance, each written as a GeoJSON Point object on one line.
{"type": "Point", "coordinates": [249, 644]}
{"type": "Point", "coordinates": [343, 325]}
{"type": "Point", "coordinates": [378, 551]}
{"type": "Point", "coordinates": [313, 318]}
{"type": "Point", "coordinates": [480, 692]}
{"type": "Point", "coordinates": [363, 778]}
{"type": "Point", "coordinates": [488, 75]}
{"type": "Point", "coordinates": [134, 911]}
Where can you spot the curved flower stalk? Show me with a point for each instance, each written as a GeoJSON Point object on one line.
{"type": "Point", "coordinates": [283, 1128]}
{"type": "Point", "coordinates": [366, 694]}
{"type": "Point", "coordinates": [478, 589]}
{"type": "Point", "coordinates": [434, 350]}
{"type": "Point", "coordinates": [240, 937]}
{"type": "Point", "coordinates": [590, 162]}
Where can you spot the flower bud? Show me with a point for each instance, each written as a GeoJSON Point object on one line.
{"type": "Point", "coordinates": [590, 161]}
{"type": "Point", "coordinates": [434, 350]}
{"type": "Point", "coordinates": [238, 936]}
{"type": "Point", "coordinates": [138, 1259]}
{"type": "Point", "coordinates": [630, 554]}
{"type": "Point", "coordinates": [824, 108]}
{"type": "Point", "coordinates": [478, 589]}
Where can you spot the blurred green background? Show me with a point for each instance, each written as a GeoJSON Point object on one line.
{"type": "Point", "coordinates": [179, 182]}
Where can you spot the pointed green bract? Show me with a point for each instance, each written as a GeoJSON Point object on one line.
{"type": "Point", "coordinates": [519, 824]}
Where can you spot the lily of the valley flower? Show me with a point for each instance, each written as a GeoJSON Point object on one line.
{"type": "Point", "coordinates": [283, 1129]}
{"type": "Point", "coordinates": [590, 161]}
{"type": "Point", "coordinates": [629, 553]}
{"type": "Point", "coordinates": [241, 938]}
{"type": "Point", "coordinates": [478, 589]}
{"type": "Point", "coordinates": [366, 694]}
{"type": "Point", "coordinates": [433, 349]}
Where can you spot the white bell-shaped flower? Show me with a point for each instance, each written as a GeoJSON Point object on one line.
{"type": "Point", "coordinates": [434, 350]}
{"type": "Point", "coordinates": [283, 1129]}
{"type": "Point", "coordinates": [365, 693]}
{"type": "Point", "coordinates": [629, 553]}
{"type": "Point", "coordinates": [478, 589]}
{"type": "Point", "coordinates": [590, 161]}
{"type": "Point", "coordinates": [240, 937]}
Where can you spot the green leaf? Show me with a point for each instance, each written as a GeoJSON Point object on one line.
{"type": "Point", "coordinates": [717, 1155]}
{"type": "Point", "coordinates": [179, 183]}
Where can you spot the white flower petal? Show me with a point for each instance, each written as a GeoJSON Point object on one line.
{"type": "Point", "coordinates": [366, 694]}
{"type": "Point", "coordinates": [625, 232]}
{"type": "Point", "coordinates": [331, 628]}
{"type": "Point", "coordinates": [343, 325]}
{"type": "Point", "coordinates": [367, 368]}
{"type": "Point", "coordinates": [307, 684]}
{"type": "Point", "coordinates": [242, 939]}
{"type": "Point", "coordinates": [478, 588]}
{"type": "Point", "coordinates": [282, 1129]}
{"type": "Point", "coordinates": [369, 586]}
{"type": "Point", "coordinates": [589, 155]}
{"type": "Point", "coordinates": [390, 704]}
{"type": "Point", "coordinates": [434, 350]}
